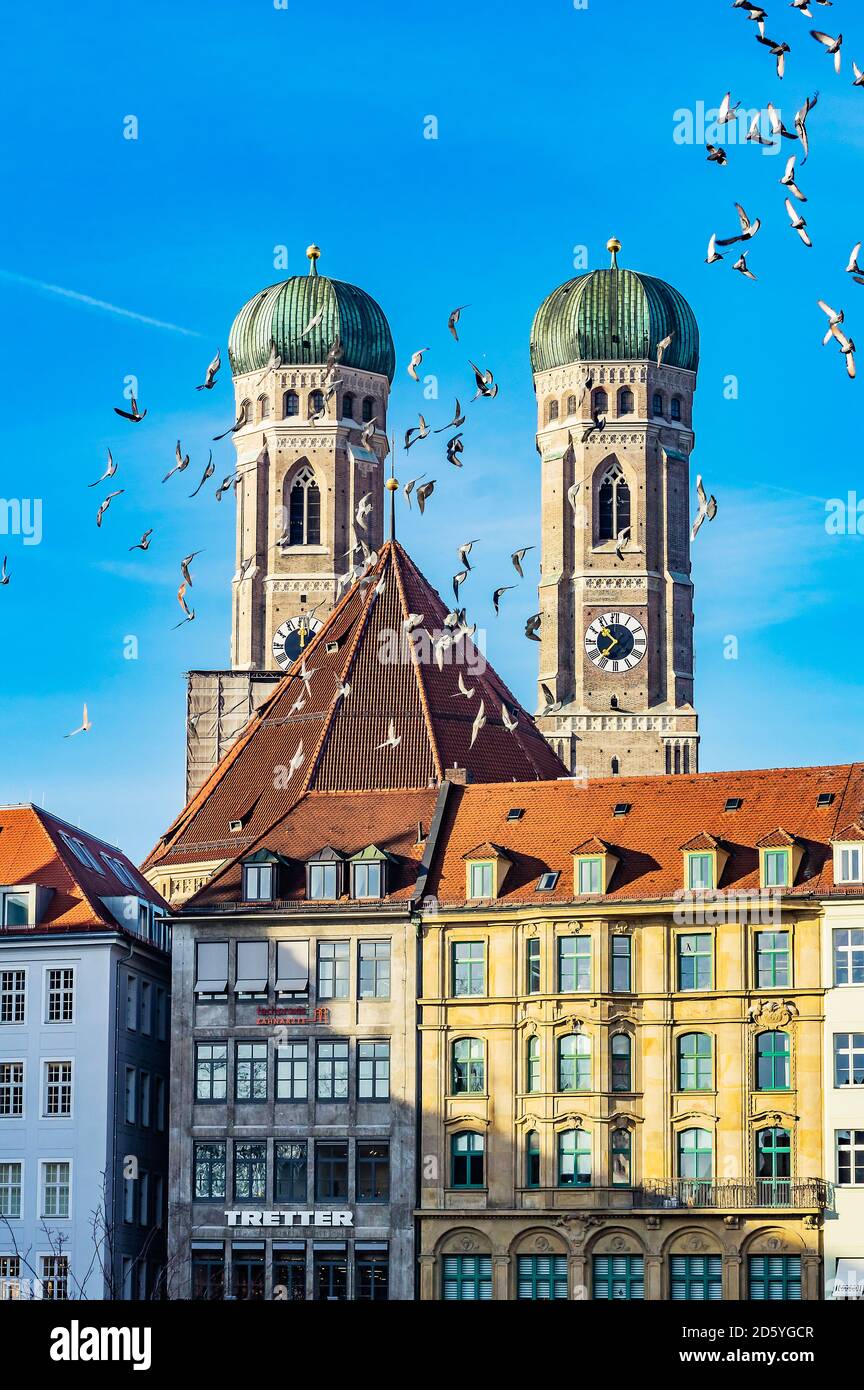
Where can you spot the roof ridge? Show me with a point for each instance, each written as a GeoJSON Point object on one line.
{"type": "Point", "coordinates": [397, 551]}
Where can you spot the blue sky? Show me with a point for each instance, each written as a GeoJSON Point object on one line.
{"type": "Point", "coordinates": [261, 127]}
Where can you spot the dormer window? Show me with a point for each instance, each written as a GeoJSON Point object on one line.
{"type": "Point", "coordinates": [590, 875]}
{"type": "Point", "coordinates": [780, 856]}
{"type": "Point", "coordinates": [593, 867]}
{"type": "Point", "coordinates": [486, 868]}
{"type": "Point", "coordinates": [324, 875]}
{"type": "Point", "coordinates": [700, 871]}
{"type": "Point", "coordinates": [369, 872]}
{"type": "Point", "coordinates": [776, 868]}
{"type": "Point", "coordinates": [14, 909]}
{"type": "Point", "coordinates": [481, 879]}
{"type": "Point", "coordinates": [704, 861]}
{"type": "Point", "coordinates": [257, 883]}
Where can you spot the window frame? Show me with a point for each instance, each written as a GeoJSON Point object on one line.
{"type": "Point", "coordinates": [474, 962]}
{"type": "Point", "coordinates": [63, 990]}
{"type": "Point", "coordinates": [59, 1187]}
{"type": "Point", "coordinates": [472, 1156]}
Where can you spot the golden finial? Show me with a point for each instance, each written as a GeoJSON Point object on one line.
{"type": "Point", "coordinates": [614, 245]}
{"type": "Point", "coordinates": [392, 484]}
{"type": "Point", "coordinates": [313, 253]}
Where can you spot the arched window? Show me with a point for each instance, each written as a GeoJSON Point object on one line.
{"type": "Point", "coordinates": [552, 411]}
{"type": "Point", "coordinates": [368, 409]}
{"type": "Point", "coordinates": [467, 1160]}
{"type": "Point", "coordinates": [263, 407]}
{"type": "Point", "coordinates": [615, 767]}
{"type": "Point", "coordinates": [772, 1062]}
{"type": "Point", "coordinates": [626, 402]}
{"type": "Point", "coordinates": [574, 1158]}
{"type": "Point", "coordinates": [348, 406]}
{"type": "Point", "coordinates": [290, 404]}
{"type": "Point", "coordinates": [773, 1166]}
{"type": "Point", "coordinates": [304, 510]}
{"type": "Point", "coordinates": [657, 404]}
{"type": "Point", "coordinates": [316, 403]}
{"type": "Point", "coordinates": [613, 504]}
{"type": "Point", "coordinates": [532, 1065]}
{"type": "Point", "coordinates": [695, 1155]}
{"type": "Point", "coordinates": [620, 1146]}
{"type": "Point", "coordinates": [532, 1159]}
{"type": "Point", "coordinates": [675, 410]}
{"type": "Point", "coordinates": [468, 1068]}
{"type": "Point", "coordinates": [246, 412]}
{"type": "Point", "coordinates": [600, 401]}
{"type": "Point", "coordinates": [572, 405]}
{"type": "Point", "coordinates": [621, 1052]}
{"type": "Point", "coordinates": [574, 1062]}
{"type": "Point", "coordinates": [694, 1062]}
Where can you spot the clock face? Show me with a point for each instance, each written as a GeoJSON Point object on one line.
{"type": "Point", "coordinates": [615, 642]}
{"type": "Point", "coordinates": [290, 639]}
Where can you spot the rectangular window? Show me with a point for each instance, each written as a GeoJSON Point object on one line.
{"type": "Point", "coordinates": [247, 1267]}
{"type": "Point", "coordinates": [323, 882]}
{"type": "Point", "coordinates": [366, 880]}
{"type": "Point", "coordinates": [373, 1071]}
{"type": "Point", "coordinates": [55, 1277]}
{"type": "Point", "coordinates": [208, 1274]}
{"type": "Point", "coordinates": [700, 871]}
{"type": "Point", "coordinates": [696, 1277]}
{"type": "Point", "coordinates": [292, 1071]}
{"type": "Point", "coordinates": [55, 1191]}
{"type": "Point", "coordinates": [160, 1104]}
{"type": "Point", "coordinates": [11, 1090]}
{"type": "Point", "coordinates": [250, 1071]}
{"type": "Point", "coordinates": [289, 1273]}
{"type": "Point", "coordinates": [694, 961]}
{"type": "Point", "coordinates": [848, 956]}
{"type": "Point", "coordinates": [541, 1276]}
{"type": "Point", "coordinates": [849, 1059]}
{"type": "Point", "coordinates": [209, 1165]}
{"type": "Point", "coordinates": [332, 1070]}
{"type": "Point", "coordinates": [772, 959]}
{"type": "Point", "coordinates": [467, 1278]}
{"type": "Point", "coordinates": [131, 1097]}
{"type": "Point", "coordinates": [143, 1197]}
{"type": "Point", "coordinates": [774, 1277]}
{"type": "Point", "coordinates": [250, 1172]}
{"type": "Point", "coordinates": [211, 1071]}
{"type": "Point", "coordinates": [10, 1190]}
{"type": "Point", "coordinates": [10, 1275]}
{"type": "Point", "coordinates": [333, 969]}
{"type": "Point", "coordinates": [619, 1276]}
{"type": "Point", "coordinates": [257, 883]}
{"type": "Point", "coordinates": [574, 964]}
{"type": "Point", "coordinates": [850, 1157]}
{"type": "Point", "coordinates": [12, 996]}
{"type": "Point", "coordinates": [620, 968]}
{"type": "Point", "coordinates": [331, 1172]}
{"type": "Point", "coordinates": [532, 965]}
{"type": "Point", "coordinates": [146, 1008]}
{"type": "Point", "coordinates": [371, 1273]}
{"type": "Point", "coordinates": [60, 995]}
{"type": "Point", "coordinates": [253, 970]}
{"type": "Point", "coordinates": [292, 967]}
{"type": "Point", "coordinates": [131, 1003]}
{"type": "Point", "coordinates": [145, 1099]}
{"type": "Point", "coordinates": [590, 876]}
{"type": "Point", "coordinates": [373, 1171]}
{"type": "Point", "coordinates": [849, 863]}
{"type": "Point", "coordinates": [58, 1088]}
{"type": "Point", "coordinates": [15, 909]}
{"type": "Point", "coordinates": [129, 1200]}
{"type": "Point", "coordinates": [289, 1176]}
{"type": "Point", "coordinates": [469, 967]}
{"type": "Point", "coordinates": [330, 1275]}
{"type": "Point", "coordinates": [776, 868]}
{"type": "Point", "coordinates": [374, 968]}
{"type": "Point", "coordinates": [211, 970]}
{"type": "Point", "coordinates": [480, 880]}
{"type": "Point", "coordinates": [161, 1014]}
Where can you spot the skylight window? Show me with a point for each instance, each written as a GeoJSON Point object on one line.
{"type": "Point", "coordinates": [82, 853]}
{"type": "Point", "coordinates": [622, 808]}
{"type": "Point", "coordinates": [119, 870]}
{"type": "Point", "coordinates": [825, 799]}
{"type": "Point", "coordinates": [516, 813]}
{"type": "Point", "coordinates": [547, 881]}
{"type": "Point", "coordinates": [734, 803]}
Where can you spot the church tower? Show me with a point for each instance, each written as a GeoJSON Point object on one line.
{"type": "Point", "coordinates": [312, 361]}
{"type": "Point", "coordinates": [614, 435]}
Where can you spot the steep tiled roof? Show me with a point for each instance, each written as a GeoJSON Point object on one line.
{"type": "Point", "coordinates": [776, 839]}
{"type": "Point", "coordinates": [344, 737]}
{"type": "Point", "coordinates": [666, 813]}
{"type": "Point", "coordinates": [347, 822]}
{"type": "Point", "coordinates": [35, 847]}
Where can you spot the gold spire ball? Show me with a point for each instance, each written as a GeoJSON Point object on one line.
{"type": "Point", "coordinates": [614, 245]}
{"type": "Point", "coordinates": [313, 253]}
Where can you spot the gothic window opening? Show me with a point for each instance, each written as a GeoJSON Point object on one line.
{"type": "Point", "coordinates": [572, 405]}
{"type": "Point", "coordinates": [657, 404]}
{"type": "Point", "coordinates": [626, 401]}
{"type": "Point", "coordinates": [600, 402]}
{"type": "Point", "coordinates": [290, 404]}
{"type": "Point", "coordinates": [552, 411]}
{"type": "Point", "coordinates": [316, 402]}
{"type": "Point", "coordinates": [263, 408]}
{"type": "Point", "coordinates": [676, 408]}
{"type": "Point", "coordinates": [368, 409]}
{"type": "Point", "coordinates": [613, 512]}
{"type": "Point", "coordinates": [348, 406]}
{"type": "Point", "coordinates": [304, 510]}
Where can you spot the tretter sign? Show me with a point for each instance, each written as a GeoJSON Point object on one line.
{"type": "Point", "coordinates": [326, 1217]}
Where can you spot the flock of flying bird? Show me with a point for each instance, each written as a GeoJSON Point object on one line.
{"type": "Point", "coordinates": [798, 222]}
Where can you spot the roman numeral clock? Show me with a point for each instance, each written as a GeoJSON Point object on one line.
{"type": "Point", "coordinates": [616, 642]}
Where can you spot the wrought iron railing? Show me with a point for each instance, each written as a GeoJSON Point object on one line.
{"type": "Point", "coordinates": [725, 1193]}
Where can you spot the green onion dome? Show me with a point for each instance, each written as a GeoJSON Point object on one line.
{"type": "Point", "coordinates": [613, 316]}
{"type": "Point", "coordinates": [281, 316]}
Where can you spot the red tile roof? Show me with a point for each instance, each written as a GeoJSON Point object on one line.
{"type": "Point", "coordinates": [776, 839]}
{"type": "Point", "coordinates": [35, 848]}
{"type": "Point", "coordinates": [344, 737]}
{"type": "Point", "coordinates": [666, 813]}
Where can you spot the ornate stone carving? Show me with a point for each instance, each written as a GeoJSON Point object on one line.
{"type": "Point", "coordinates": [772, 1013]}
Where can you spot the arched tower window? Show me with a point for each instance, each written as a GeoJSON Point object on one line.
{"type": "Point", "coordinates": [675, 410]}
{"type": "Point", "coordinates": [625, 401]}
{"type": "Point", "coordinates": [316, 402]}
{"type": "Point", "coordinates": [348, 406]}
{"type": "Point", "coordinates": [263, 407]}
{"type": "Point", "coordinates": [572, 405]}
{"type": "Point", "coordinates": [246, 412]}
{"type": "Point", "coordinates": [552, 411]}
{"type": "Point", "coordinates": [290, 404]}
{"type": "Point", "coordinates": [304, 510]}
{"type": "Point", "coordinates": [657, 404]}
{"type": "Point", "coordinates": [613, 504]}
{"type": "Point", "coordinates": [600, 401]}
{"type": "Point", "coordinates": [368, 409]}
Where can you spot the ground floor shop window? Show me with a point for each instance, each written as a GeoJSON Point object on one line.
{"type": "Point", "coordinates": [542, 1276]}
{"type": "Point", "coordinates": [330, 1276]}
{"type": "Point", "coordinates": [619, 1276]}
{"type": "Point", "coordinates": [371, 1273]}
{"type": "Point", "coordinates": [247, 1273]}
{"type": "Point", "coordinates": [289, 1274]}
{"type": "Point", "coordinates": [208, 1273]}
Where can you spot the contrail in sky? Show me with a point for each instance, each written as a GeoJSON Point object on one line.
{"type": "Point", "coordinates": [96, 303]}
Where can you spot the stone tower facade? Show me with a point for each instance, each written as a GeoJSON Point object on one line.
{"type": "Point", "coordinates": [616, 597]}
{"type": "Point", "coordinates": [312, 360]}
